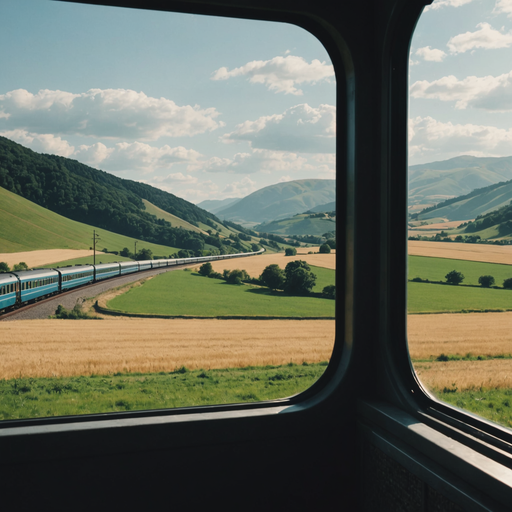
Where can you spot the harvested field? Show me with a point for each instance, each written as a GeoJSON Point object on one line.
{"type": "Point", "coordinates": [441, 225]}
{"type": "Point", "coordinates": [495, 373]}
{"type": "Point", "coordinates": [471, 252]}
{"type": "Point", "coordinates": [459, 333]}
{"type": "Point", "coordinates": [255, 265]}
{"type": "Point", "coordinates": [38, 258]}
{"type": "Point", "coordinates": [45, 348]}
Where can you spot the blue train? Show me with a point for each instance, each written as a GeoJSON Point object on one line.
{"type": "Point", "coordinates": [19, 288]}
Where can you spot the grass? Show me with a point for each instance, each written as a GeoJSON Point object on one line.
{"type": "Point", "coordinates": [176, 222]}
{"type": "Point", "coordinates": [492, 404]}
{"type": "Point", "coordinates": [25, 226]}
{"type": "Point", "coordinates": [435, 269]}
{"type": "Point", "coordinates": [427, 297]}
{"type": "Point", "coordinates": [324, 276]}
{"type": "Point", "coordinates": [43, 397]}
{"type": "Point", "coordinates": [187, 293]}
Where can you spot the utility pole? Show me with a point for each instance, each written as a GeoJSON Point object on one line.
{"type": "Point", "coordinates": [135, 255]}
{"type": "Point", "coordinates": [94, 238]}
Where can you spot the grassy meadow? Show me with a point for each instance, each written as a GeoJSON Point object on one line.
{"type": "Point", "coordinates": [25, 226]}
{"type": "Point", "coordinates": [187, 293]}
{"type": "Point", "coordinates": [63, 396]}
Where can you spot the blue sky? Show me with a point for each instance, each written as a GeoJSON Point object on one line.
{"type": "Point", "coordinates": [461, 81]}
{"type": "Point", "coordinates": [203, 107]}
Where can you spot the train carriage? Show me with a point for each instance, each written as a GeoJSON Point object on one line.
{"type": "Point", "coordinates": [127, 267]}
{"type": "Point", "coordinates": [145, 265]}
{"type": "Point", "coordinates": [8, 288]}
{"type": "Point", "coordinates": [106, 270]}
{"type": "Point", "coordinates": [37, 283]}
{"type": "Point", "coordinates": [71, 277]}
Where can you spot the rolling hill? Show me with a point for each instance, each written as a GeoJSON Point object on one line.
{"type": "Point", "coordinates": [216, 205]}
{"type": "Point", "coordinates": [26, 226]}
{"type": "Point", "coordinates": [97, 198]}
{"type": "Point", "coordinates": [302, 224]}
{"type": "Point", "coordinates": [437, 181]}
{"type": "Point", "coordinates": [280, 201]}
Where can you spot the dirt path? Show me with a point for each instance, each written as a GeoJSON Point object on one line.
{"type": "Point", "coordinates": [37, 258]}
{"type": "Point", "coordinates": [82, 347]}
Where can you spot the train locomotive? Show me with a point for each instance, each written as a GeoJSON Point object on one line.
{"type": "Point", "coordinates": [21, 287]}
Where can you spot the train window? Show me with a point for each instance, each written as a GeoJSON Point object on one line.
{"type": "Point", "coordinates": [459, 228]}
{"type": "Point", "coordinates": [208, 109]}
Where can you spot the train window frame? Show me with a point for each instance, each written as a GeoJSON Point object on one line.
{"type": "Point", "coordinates": [405, 389]}
{"type": "Point", "coordinates": [339, 362]}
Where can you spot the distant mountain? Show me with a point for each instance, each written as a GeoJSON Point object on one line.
{"type": "Point", "coordinates": [324, 208]}
{"type": "Point", "coordinates": [437, 181]}
{"type": "Point", "coordinates": [280, 201]}
{"type": "Point", "coordinates": [302, 224]}
{"type": "Point", "coordinates": [216, 205]}
{"type": "Point", "coordinates": [478, 202]}
{"type": "Point", "coordinates": [97, 198]}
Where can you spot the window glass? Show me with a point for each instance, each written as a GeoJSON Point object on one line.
{"type": "Point", "coordinates": [235, 116]}
{"type": "Point", "coordinates": [460, 210]}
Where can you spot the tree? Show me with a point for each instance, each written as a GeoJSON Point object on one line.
{"type": "Point", "coordinates": [126, 253]}
{"type": "Point", "coordinates": [237, 276]}
{"type": "Point", "coordinates": [4, 267]}
{"type": "Point", "coordinates": [20, 266]}
{"type": "Point", "coordinates": [144, 254]}
{"type": "Point", "coordinates": [206, 269]}
{"type": "Point", "coordinates": [255, 247]}
{"type": "Point", "coordinates": [454, 277]}
{"type": "Point", "coordinates": [299, 278]}
{"type": "Point", "coordinates": [183, 253]}
{"type": "Point", "coordinates": [290, 251]}
{"type": "Point", "coordinates": [329, 291]}
{"type": "Point", "coordinates": [508, 283]}
{"type": "Point", "coordinates": [273, 277]}
{"type": "Point", "coordinates": [486, 281]}
{"type": "Point", "coordinates": [331, 243]}
{"type": "Point", "coordinates": [324, 249]}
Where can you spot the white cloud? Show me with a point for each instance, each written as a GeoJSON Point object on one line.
{"type": "Point", "coordinates": [240, 188]}
{"type": "Point", "coordinates": [486, 37]}
{"type": "Point", "coordinates": [176, 177]}
{"type": "Point", "coordinates": [431, 54]}
{"type": "Point", "coordinates": [438, 4]}
{"type": "Point", "coordinates": [503, 7]}
{"type": "Point", "coordinates": [280, 74]}
{"type": "Point", "coordinates": [284, 179]}
{"type": "Point", "coordinates": [487, 92]}
{"type": "Point", "coordinates": [298, 129]}
{"type": "Point", "coordinates": [434, 140]}
{"type": "Point", "coordinates": [109, 113]}
{"type": "Point", "coordinates": [41, 143]}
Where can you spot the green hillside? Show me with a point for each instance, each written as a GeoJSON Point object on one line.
{"type": "Point", "coordinates": [303, 224]}
{"type": "Point", "coordinates": [169, 217]}
{"type": "Point", "coordinates": [25, 226]}
{"type": "Point", "coordinates": [97, 198]}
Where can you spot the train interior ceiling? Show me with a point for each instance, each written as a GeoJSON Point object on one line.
{"type": "Point", "coordinates": [366, 436]}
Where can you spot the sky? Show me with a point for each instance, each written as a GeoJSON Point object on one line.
{"type": "Point", "coordinates": [460, 80]}
{"type": "Point", "coordinates": [202, 107]}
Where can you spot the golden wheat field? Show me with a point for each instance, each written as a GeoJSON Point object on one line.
{"type": "Point", "coordinates": [33, 348]}
{"type": "Point", "coordinates": [254, 265]}
{"type": "Point", "coordinates": [37, 258]}
{"type": "Point", "coordinates": [484, 334]}
{"type": "Point", "coordinates": [471, 252]}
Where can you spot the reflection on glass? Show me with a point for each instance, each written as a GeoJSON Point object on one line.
{"type": "Point", "coordinates": [460, 229]}
{"type": "Point", "coordinates": [169, 199]}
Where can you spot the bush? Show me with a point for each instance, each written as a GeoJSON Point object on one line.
{"type": "Point", "coordinates": [206, 269]}
{"type": "Point", "coordinates": [454, 277]}
{"type": "Point", "coordinates": [237, 276]}
{"type": "Point", "coordinates": [508, 283]}
{"type": "Point", "coordinates": [331, 243]}
{"type": "Point", "coordinates": [273, 277]}
{"type": "Point", "coordinates": [329, 292]}
{"type": "Point", "coordinates": [486, 281]}
{"type": "Point", "coordinates": [4, 267]}
{"type": "Point", "coordinates": [215, 275]}
{"type": "Point", "coordinates": [20, 266]}
{"type": "Point", "coordinates": [290, 251]}
{"type": "Point", "coordinates": [324, 249]}
{"type": "Point", "coordinates": [75, 314]}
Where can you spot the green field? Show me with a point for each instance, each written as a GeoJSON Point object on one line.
{"type": "Point", "coordinates": [43, 397]}
{"type": "Point", "coordinates": [176, 222]}
{"type": "Point", "coordinates": [426, 297]}
{"type": "Point", "coordinates": [186, 293]}
{"type": "Point", "coordinates": [324, 277]}
{"type": "Point", "coordinates": [25, 226]}
{"type": "Point", "coordinates": [435, 269]}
